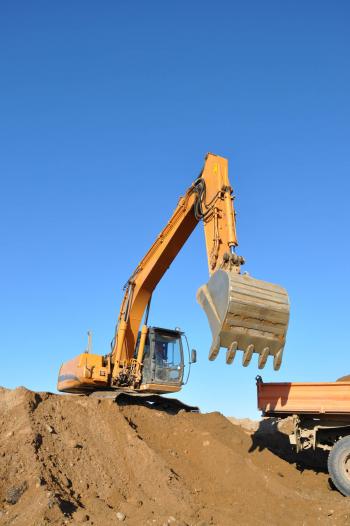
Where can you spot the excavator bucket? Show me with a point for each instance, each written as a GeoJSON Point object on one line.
{"type": "Point", "coordinates": [245, 314]}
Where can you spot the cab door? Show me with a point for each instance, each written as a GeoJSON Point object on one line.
{"type": "Point", "coordinates": [163, 361]}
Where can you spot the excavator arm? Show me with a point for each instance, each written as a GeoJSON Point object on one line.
{"type": "Point", "coordinates": [209, 199]}
{"type": "Point", "coordinates": [243, 313]}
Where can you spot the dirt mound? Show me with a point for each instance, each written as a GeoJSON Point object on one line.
{"type": "Point", "coordinates": [245, 423]}
{"type": "Point", "coordinates": [72, 460]}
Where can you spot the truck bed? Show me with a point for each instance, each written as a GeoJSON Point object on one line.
{"type": "Point", "coordinates": [287, 398]}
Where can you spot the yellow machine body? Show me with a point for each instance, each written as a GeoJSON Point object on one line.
{"type": "Point", "coordinates": [245, 314]}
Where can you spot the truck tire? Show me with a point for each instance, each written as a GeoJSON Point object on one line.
{"type": "Point", "coordinates": [339, 465]}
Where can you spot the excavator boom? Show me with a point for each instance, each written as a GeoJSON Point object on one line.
{"type": "Point", "coordinates": [244, 313]}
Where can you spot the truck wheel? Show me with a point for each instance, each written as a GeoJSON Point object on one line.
{"type": "Point", "coordinates": [339, 465]}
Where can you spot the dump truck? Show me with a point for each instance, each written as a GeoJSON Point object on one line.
{"type": "Point", "coordinates": [320, 412]}
{"type": "Point", "coordinates": [245, 314]}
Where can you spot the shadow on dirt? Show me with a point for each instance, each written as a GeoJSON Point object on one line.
{"type": "Point", "coordinates": [269, 435]}
{"type": "Point", "coordinates": [172, 406]}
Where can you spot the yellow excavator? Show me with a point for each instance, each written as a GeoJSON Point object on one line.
{"type": "Point", "coordinates": [244, 314]}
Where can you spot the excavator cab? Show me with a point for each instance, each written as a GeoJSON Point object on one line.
{"type": "Point", "coordinates": [163, 360]}
{"type": "Point", "coordinates": [162, 366]}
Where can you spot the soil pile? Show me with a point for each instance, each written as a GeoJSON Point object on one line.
{"type": "Point", "coordinates": [77, 460]}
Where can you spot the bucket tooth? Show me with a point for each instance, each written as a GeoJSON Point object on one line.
{"type": "Point", "coordinates": [231, 353]}
{"type": "Point", "coordinates": [277, 360]}
{"type": "Point", "coordinates": [263, 357]}
{"type": "Point", "coordinates": [247, 355]}
{"type": "Point", "coordinates": [214, 349]}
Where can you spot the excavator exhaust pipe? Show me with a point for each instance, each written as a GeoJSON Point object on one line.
{"type": "Point", "coordinates": [245, 314]}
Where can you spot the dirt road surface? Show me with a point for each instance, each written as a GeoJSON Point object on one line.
{"type": "Point", "coordinates": [77, 460]}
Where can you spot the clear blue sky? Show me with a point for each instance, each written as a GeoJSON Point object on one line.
{"type": "Point", "coordinates": [106, 112]}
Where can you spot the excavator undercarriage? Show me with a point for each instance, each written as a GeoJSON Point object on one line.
{"type": "Point", "coordinates": [154, 401]}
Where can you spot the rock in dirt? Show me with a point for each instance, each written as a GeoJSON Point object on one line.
{"type": "Point", "coordinates": [14, 493]}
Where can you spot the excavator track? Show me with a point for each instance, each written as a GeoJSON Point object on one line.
{"type": "Point", "coordinates": [151, 400]}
